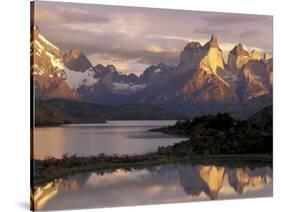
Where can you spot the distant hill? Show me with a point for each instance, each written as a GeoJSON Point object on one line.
{"type": "Point", "coordinates": [63, 111]}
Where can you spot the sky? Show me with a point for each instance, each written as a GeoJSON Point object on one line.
{"type": "Point", "coordinates": [132, 38]}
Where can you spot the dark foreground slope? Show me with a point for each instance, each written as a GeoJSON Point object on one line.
{"type": "Point", "coordinates": [63, 111]}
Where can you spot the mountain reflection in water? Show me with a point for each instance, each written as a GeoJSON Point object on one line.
{"type": "Point", "coordinates": [154, 185]}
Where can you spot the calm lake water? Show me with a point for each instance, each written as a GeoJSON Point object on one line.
{"type": "Point", "coordinates": [113, 137]}
{"type": "Point", "coordinates": [155, 185]}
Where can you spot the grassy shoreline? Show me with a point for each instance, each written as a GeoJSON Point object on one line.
{"type": "Point", "coordinates": [59, 170]}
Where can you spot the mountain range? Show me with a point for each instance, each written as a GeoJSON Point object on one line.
{"type": "Point", "coordinates": [201, 82]}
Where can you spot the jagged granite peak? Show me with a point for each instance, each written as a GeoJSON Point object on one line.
{"type": "Point", "coordinates": [212, 43]}
{"type": "Point", "coordinates": [35, 29]}
{"type": "Point", "coordinates": [101, 70]}
{"type": "Point", "coordinates": [76, 60]}
{"type": "Point", "coordinates": [190, 56]}
{"type": "Point", "coordinates": [209, 56]}
{"type": "Point", "coordinates": [253, 80]}
{"type": "Point", "coordinates": [194, 85]}
{"type": "Point", "coordinates": [239, 50]}
{"type": "Point", "coordinates": [237, 57]}
{"type": "Point", "coordinates": [255, 54]}
{"type": "Point", "coordinates": [192, 45]}
{"type": "Point", "coordinates": [266, 57]}
{"type": "Point", "coordinates": [205, 85]}
{"type": "Point", "coordinates": [213, 60]}
{"type": "Point", "coordinates": [195, 82]}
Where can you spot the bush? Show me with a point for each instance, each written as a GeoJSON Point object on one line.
{"type": "Point", "coordinates": [222, 121]}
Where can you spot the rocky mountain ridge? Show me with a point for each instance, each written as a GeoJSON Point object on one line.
{"type": "Point", "coordinates": [47, 68]}
{"type": "Point", "coordinates": [76, 60]}
{"type": "Point", "coordinates": [202, 80]}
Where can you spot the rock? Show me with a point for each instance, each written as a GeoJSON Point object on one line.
{"type": "Point", "coordinates": [254, 55]}
{"type": "Point", "coordinates": [266, 57]}
{"type": "Point", "coordinates": [237, 57]}
{"type": "Point", "coordinates": [206, 85]}
{"type": "Point", "coordinates": [252, 81]}
{"type": "Point", "coordinates": [76, 60]}
{"type": "Point", "coordinates": [47, 69]}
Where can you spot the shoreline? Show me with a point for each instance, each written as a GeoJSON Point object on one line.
{"type": "Point", "coordinates": [211, 138]}
{"type": "Point", "coordinates": [58, 168]}
{"type": "Point", "coordinates": [46, 125]}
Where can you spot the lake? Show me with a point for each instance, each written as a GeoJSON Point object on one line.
{"type": "Point", "coordinates": [113, 137]}
{"type": "Point", "coordinates": [155, 185]}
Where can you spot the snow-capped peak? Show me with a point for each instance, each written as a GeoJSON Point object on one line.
{"type": "Point", "coordinates": [44, 40]}
{"type": "Point", "coordinates": [47, 57]}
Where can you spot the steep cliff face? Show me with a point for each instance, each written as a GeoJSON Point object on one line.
{"type": "Point", "coordinates": [213, 60]}
{"type": "Point", "coordinates": [266, 57]}
{"type": "Point", "coordinates": [47, 57]}
{"type": "Point", "coordinates": [76, 60]}
{"type": "Point", "coordinates": [250, 76]}
{"type": "Point", "coordinates": [208, 57]}
{"type": "Point", "coordinates": [191, 56]}
{"type": "Point", "coordinates": [47, 69]}
{"type": "Point", "coordinates": [254, 80]}
{"type": "Point", "coordinates": [269, 69]}
{"type": "Point", "coordinates": [206, 85]}
{"type": "Point", "coordinates": [254, 55]}
{"type": "Point", "coordinates": [195, 84]}
{"type": "Point", "coordinates": [202, 81]}
{"type": "Point", "coordinates": [208, 88]}
{"type": "Point", "coordinates": [237, 57]}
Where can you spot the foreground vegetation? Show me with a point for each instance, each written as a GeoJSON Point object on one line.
{"type": "Point", "coordinates": [51, 168]}
{"type": "Point", "coordinates": [222, 134]}
{"type": "Point", "coordinates": [211, 138]}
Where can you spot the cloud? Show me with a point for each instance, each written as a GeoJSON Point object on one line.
{"type": "Point", "coordinates": [212, 30]}
{"type": "Point", "coordinates": [65, 15]}
{"type": "Point", "coordinates": [47, 17]}
{"type": "Point", "coordinates": [227, 19]}
{"type": "Point", "coordinates": [250, 33]}
{"type": "Point", "coordinates": [126, 86]}
{"type": "Point", "coordinates": [76, 16]}
{"type": "Point", "coordinates": [166, 37]}
{"type": "Point", "coordinates": [122, 64]}
{"type": "Point", "coordinates": [133, 38]}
